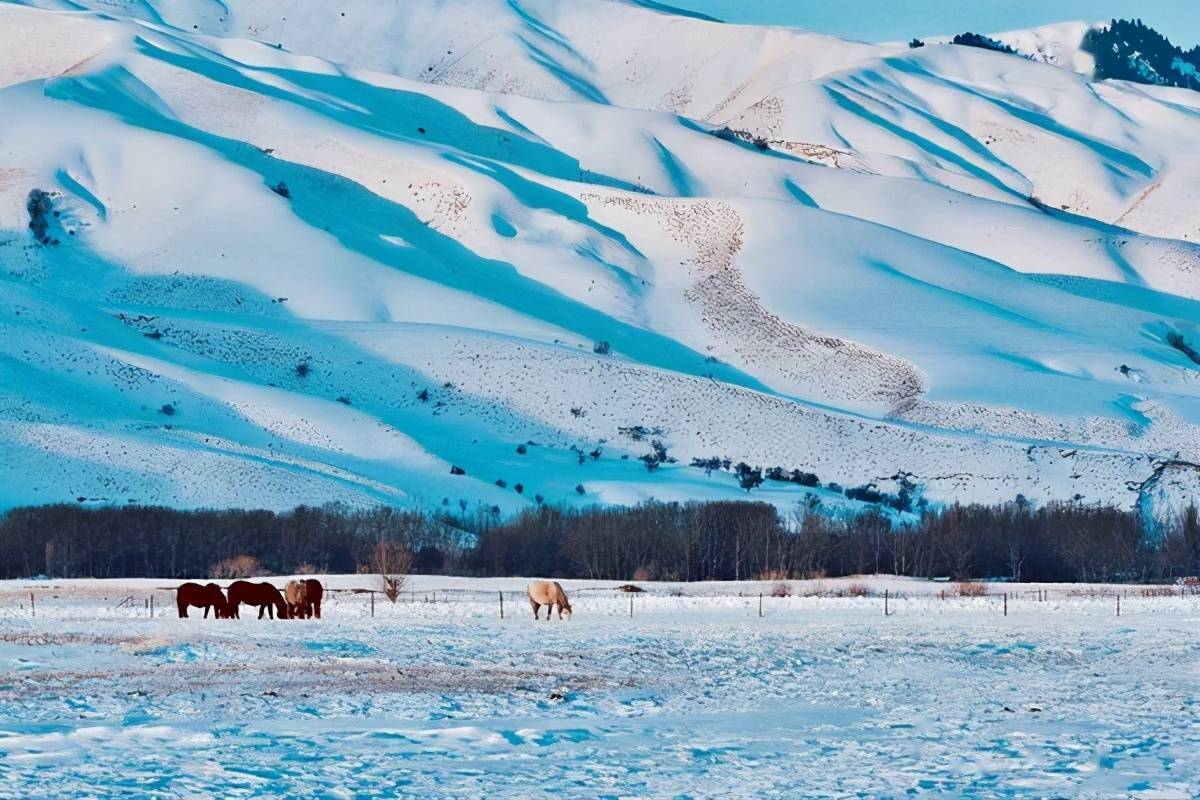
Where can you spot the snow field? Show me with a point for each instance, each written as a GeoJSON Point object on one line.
{"type": "Point", "coordinates": [694, 696]}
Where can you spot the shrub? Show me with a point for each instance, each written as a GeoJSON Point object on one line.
{"type": "Point", "coordinates": [519, 488]}
{"type": "Point", "coordinates": [781, 589]}
{"type": "Point", "coordinates": [457, 470]}
{"type": "Point", "coordinates": [423, 395]}
{"type": "Point", "coordinates": [805, 478]}
{"type": "Point", "coordinates": [971, 589]}
{"type": "Point", "coordinates": [344, 400]}
{"type": "Point", "coordinates": [391, 561]}
{"type": "Point", "coordinates": [40, 206]}
{"type": "Point", "coordinates": [521, 450]}
{"type": "Point", "coordinates": [915, 43]}
{"type": "Point", "coordinates": [579, 489]}
{"type": "Point", "coordinates": [303, 369]}
{"type": "Point", "coordinates": [657, 457]}
{"type": "Point", "coordinates": [983, 42]}
{"type": "Point", "coordinates": [501, 483]}
{"type": "Point", "coordinates": [601, 348]}
{"type": "Point", "coordinates": [639, 432]}
{"type": "Point", "coordinates": [242, 566]}
{"type": "Point", "coordinates": [642, 574]}
{"type": "Point", "coordinates": [282, 190]}
{"type": "Point", "coordinates": [867, 493]}
{"type": "Point", "coordinates": [168, 409]}
{"type": "Point", "coordinates": [748, 477]}
{"type": "Point", "coordinates": [858, 590]}
{"type": "Point", "coordinates": [794, 476]}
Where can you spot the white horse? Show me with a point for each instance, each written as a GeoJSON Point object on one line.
{"type": "Point", "coordinates": [548, 594]}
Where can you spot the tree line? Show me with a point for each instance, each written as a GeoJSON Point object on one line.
{"type": "Point", "coordinates": [1130, 50]}
{"type": "Point", "coordinates": [720, 540]}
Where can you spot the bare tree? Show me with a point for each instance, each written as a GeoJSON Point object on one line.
{"type": "Point", "coordinates": [391, 560]}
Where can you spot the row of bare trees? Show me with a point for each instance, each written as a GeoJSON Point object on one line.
{"type": "Point", "coordinates": [74, 541]}
{"type": "Point", "coordinates": [664, 541]}
{"type": "Point", "coordinates": [732, 541]}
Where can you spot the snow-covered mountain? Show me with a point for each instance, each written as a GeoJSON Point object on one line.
{"type": "Point", "coordinates": [497, 251]}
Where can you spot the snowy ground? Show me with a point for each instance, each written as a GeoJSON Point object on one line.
{"type": "Point", "coordinates": [694, 696]}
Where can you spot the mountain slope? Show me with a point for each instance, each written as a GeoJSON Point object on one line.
{"type": "Point", "coordinates": [291, 256]}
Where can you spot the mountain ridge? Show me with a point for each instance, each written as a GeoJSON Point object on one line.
{"type": "Point", "coordinates": [347, 284]}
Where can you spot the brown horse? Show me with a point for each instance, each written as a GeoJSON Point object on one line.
{"type": "Point", "coordinates": [548, 594]}
{"type": "Point", "coordinates": [264, 595]}
{"type": "Point", "coordinates": [313, 592]}
{"type": "Point", "coordinates": [295, 594]}
{"type": "Point", "coordinates": [207, 597]}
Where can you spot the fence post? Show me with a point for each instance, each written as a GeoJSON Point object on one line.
{"type": "Point", "coordinates": [1006, 604]}
{"type": "Point", "coordinates": [760, 604]}
{"type": "Point", "coordinates": [501, 604]}
{"type": "Point", "coordinates": [885, 602]}
{"type": "Point", "coordinates": [372, 604]}
{"type": "Point", "coordinates": [631, 606]}
{"type": "Point", "coordinates": [1118, 605]}
{"type": "Point", "coordinates": [32, 606]}
{"type": "Point", "coordinates": [151, 606]}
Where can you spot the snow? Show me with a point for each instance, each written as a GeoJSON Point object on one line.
{"type": "Point", "coordinates": [950, 263]}
{"type": "Point", "coordinates": [694, 695]}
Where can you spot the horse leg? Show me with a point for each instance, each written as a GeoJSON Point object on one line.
{"type": "Point", "coordinates": [316, 608]}
{"type": "Point", "coordinates": [182, 606]}
{"type": "Point", "coordinates": [206, 608]}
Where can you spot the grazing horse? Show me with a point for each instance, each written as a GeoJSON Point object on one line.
{"type": "Point", "coordinates": [207, 597]}
{"type": "Point", "coordinates": [296, 596]}
{"type": "Point", "coordinates": [264, 595]}
{"type": "Point", "coordinates": [313, 597]}
{"type": "Point", "coordinates": [548, 594]}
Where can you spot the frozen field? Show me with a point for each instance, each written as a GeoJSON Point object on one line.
{"type": "Point", "coordinates": [695, 696]}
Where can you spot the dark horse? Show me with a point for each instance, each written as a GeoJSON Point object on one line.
{"type": "Point", "coordinates": [313, 593]}
{"type": "Point", "coordinates": [264, 595]}
{"type": "Point", "coordinates": [206, 597]}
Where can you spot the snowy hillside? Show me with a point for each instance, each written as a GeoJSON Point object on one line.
{"type": "Point", "coordinates": [489, 251]}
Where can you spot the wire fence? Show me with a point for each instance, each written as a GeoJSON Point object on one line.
{"type": "Point", "coordinates": [770, 600]}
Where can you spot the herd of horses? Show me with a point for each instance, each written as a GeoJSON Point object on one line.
{"type": "Point", "coordinates": [301, 599]}
{"type": "Point", "coordinates": [298, 600]}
